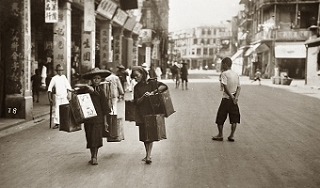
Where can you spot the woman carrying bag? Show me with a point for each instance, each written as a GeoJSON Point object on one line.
{"type": "Point", "coordinates": [94, 126]}
{"type": "Point", "coordinates": [142, 90]}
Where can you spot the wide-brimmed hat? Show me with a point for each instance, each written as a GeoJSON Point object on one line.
{"type": "Point", "coordinates": [120, 67]}
{"type": "Point", "coordinates": [59, 68]}
{"type": "Point", "coordinates": [96, 71]}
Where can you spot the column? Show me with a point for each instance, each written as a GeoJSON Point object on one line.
{"type": "Point", "coordinates": [62, 39]}
{"type": "Point", "coordinates": [135, 50]}
{"type": "Point", "coordinates": [105, 45]}
{"type": "Point", "coordinates": [87, 51]}
{"type": "Point", "coordinates": [18, 100]}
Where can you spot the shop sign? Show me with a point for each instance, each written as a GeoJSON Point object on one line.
{"type": "Point", "coordinates": [51, 11]}
{"type": "Point", "coordinates": [107, 8]}
{"type": "Point", "coordinates": [89, 15]}
{"type": "Point", "coordinates": [146, 35]}
{"type": "Point", "coordinates": [137, 28]}
{"type": "Point", "coordinates": [130, 23]}
{"type": "Point", "coordinates": [120, 17]}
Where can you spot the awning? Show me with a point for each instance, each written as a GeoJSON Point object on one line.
{"type": "Point", "coordinates": [290, 50]}
{"type": "Point", "coordinates": [259, 47]}
{"type": "Point", "coordinates": [237, 54]}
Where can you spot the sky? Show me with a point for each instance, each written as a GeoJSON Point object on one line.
{"type": "Point", "coordinates": [184, 14]}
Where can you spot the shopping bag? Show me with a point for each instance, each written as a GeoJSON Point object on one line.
{"type": "Point", "coordinates": [67, 122]}
{"type": "Point", "coordinates": [115, 129]}
{"type": "Point", "coordinates": [130, 111]}
{"type": "Point", "coordinates": [166, 103]}
{"type": "Point", "coordinates": [155, 127]}
{"type": "Point", "coordinates": [82, 107]}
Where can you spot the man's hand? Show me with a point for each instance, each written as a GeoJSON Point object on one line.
{"type": "Point", "coordinates": [235, 100]}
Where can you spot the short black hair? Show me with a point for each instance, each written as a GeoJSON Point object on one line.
{"type": "Point", "coordinates": [227, 61]}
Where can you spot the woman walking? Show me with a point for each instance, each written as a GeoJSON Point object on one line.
{"type": "Point", "coordinates": [142, 90]}
{"type": "Point", "coordinates": [94, 126]}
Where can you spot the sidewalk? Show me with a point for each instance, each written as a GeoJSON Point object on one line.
{"type": "Point", "coordinates": [41, 110]}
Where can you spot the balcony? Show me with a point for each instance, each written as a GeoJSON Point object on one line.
{"type": "Point", "coordinates": [286, 35]}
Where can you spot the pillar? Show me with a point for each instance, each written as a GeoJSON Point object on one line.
{"type": "Point", "coordinates": [128, 49]}
{"type": "Point", "coordinates": [105, 45]}
{"type": "Point", "coordinates": [87, 51]}
{"type": "Point", "coordinates": [135, 50]}
{"type": "Point", "coordinates": [62, 39]}
{"type": "Point", "coordinates": [18, 100]}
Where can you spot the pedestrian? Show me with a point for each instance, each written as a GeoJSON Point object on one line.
{"type": "Point", "coordinates": [122, 74]}
{"type": "Point", "coordinates": [36, 82]}
{"type": "Point", "coordinates": [184, 76]}
{"type": "Point", "coordinates": [60, 87]}
{"type": "Point", "coordinates": [229, 103]}
{"type": "Point", "coordinates": [152, 71]}
{"type": "Point", "coordinates": [257, 76]}
{"type": "Point", "coordinates": [94, 126]}
{"type": "Point", "coordinates": [177, 70]}
{"type": "Point", "coordinates": [130, 82]}
{"type": "Point", "coordinates": [142, 90]}
{"type": "Point", "coordinates": [158, 73]}
{"type": "Point", "coordinates": [116, 91]}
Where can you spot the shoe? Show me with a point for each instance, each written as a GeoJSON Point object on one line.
{"type": "Point", "coordinates": [148, 161]}
{"type": "Point", "coordinates": [217, 138]}
{"type": "Point", "coordinates": [144, 159]}
{"type": "Point", "coordinates": [56, 126]}
{"type": "Point", "coordinates": [230, 139]}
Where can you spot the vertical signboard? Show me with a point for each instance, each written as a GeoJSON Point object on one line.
{"type": "Point", "coordinates": [89, 15]}
{"type": "Point", "coordinates": [105, 44]}
{"type": "Point", "coordinates": [148, 56]}
{"type": "Point", "coordinates": [51, 11]}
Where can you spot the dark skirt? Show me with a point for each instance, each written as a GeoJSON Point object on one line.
{"type": "Point", "coordinates": [93, 134]}
{"type": "Point", "coordinates": [143, 133]}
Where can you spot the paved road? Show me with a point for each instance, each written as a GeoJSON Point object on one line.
{"type": "Point", "coordinates": [276, 146]}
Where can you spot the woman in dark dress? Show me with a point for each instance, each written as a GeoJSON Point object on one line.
{"type": "Point", "coordinates": [142, 90]}
{"type": "Point", "coordinates": [93, 127]}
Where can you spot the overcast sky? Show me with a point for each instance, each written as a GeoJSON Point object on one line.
{"type": "Point", "coordinates": [186, 14]}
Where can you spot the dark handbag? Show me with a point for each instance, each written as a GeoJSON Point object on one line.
{"type": "Point", "coordinates": [155, 126]}
{"type": "Point", "coordinates": [130, 111]}
{"type": "Point", "coordinates": [162, 103]}
{"type": "Point", "coordinates": [115, 129]}
{"type": "Point", "coordinates": [67, 121]}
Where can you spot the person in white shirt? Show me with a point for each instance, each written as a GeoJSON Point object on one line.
{"type": "Point", "coordinates": [61, 87]}
{"type": "Point", "coordinates": [229, 103]}
{"type": "Point", "coordinates": [115, 89]}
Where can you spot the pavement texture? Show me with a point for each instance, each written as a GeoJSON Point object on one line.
{"type": "Point", "coordinates": [41, 110]}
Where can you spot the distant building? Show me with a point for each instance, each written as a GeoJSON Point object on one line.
{"type": "Point", "coordinates": [201, 47]}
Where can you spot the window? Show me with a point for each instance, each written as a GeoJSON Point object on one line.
{"type": "Point", "coordinates": [209, 32]}
{"type": "Point", "coordinates": [210, 51]}
{"type": "Point", "coordinates": [205, 51]}
{"type": "Point", "coordinates": [195, 41]}
{"type": "Point", "coordinates": [198, 51]}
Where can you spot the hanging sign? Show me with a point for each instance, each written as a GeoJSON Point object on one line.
{"type": "Point", "coordinates": [107, 8]}
{"type": "Point", "coordinates": [137, 28]}
{"type": "Point", "coordinates": [130, 23]}
{"type": "Point", "coordinates": [120, 17]}
{"type": "Point", "coordinates": [51, 11]}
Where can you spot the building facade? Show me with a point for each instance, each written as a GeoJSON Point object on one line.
{"type": "Point", "coordinates": [272, 35]}
{"type": "Point", "coordinates": [78, 34]}
{"type": "Point", "coordinates": [201, 47]}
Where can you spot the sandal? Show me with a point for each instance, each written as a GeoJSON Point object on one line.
{"type": "Point", "coordinates": [55, 127]}
{"type": "Point", "coordinates": [216, 138]}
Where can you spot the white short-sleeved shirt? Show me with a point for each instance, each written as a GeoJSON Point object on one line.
{"type": "Point", "coordinates": [230, 79]}
{"type": "Point", "coordinates": [61, 83]}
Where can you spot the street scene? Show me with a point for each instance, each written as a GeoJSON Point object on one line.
{"type": "Point", "coordinates": [160, 93]}
{"type": "Point", "coordinates": [275, 145]}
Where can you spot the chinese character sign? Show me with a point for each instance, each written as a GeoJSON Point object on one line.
{"type": "Point", "coordinates": [51, 11]}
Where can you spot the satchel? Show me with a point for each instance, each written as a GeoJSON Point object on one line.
{"type": "Point", "coordinates": [67, 121]}
{"type": "Point", "coordinates": [130, 111]}
{"type": "Point", "coordinates": [115, 129]}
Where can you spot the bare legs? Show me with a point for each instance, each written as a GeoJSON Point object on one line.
{"type": "Point", "coordinates": [219, 137]}
{"type": "Point", "coordinates": [148, 146]}
{"type": "Point", "coordinates": [94, 154]}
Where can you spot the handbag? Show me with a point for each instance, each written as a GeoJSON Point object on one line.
{"type": "Point", "coordinates": [130, 111]}
{"type": "Point", "coordinates": [67, 121]}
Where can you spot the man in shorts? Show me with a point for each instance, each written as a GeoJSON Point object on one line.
{"type": "Point", "coordinates": [229, 103]}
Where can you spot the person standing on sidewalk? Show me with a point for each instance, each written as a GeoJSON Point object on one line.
{"type": "Point", "coordinates": [257, 76]}
{"type": "Point", "coordinates": [142, 90]}
{"type": "Point", "coordinates": [60, 86]}
{"type": "Point", "coordinates": [36, 82]}
{"type": "Point", "coordinates": [94, 126]}
{"type": "Point", "coordinates": [229, 103]}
